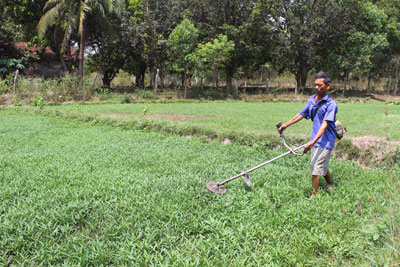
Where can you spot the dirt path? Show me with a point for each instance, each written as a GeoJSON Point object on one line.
{"type": "Point", "coordinates": [174, 117]}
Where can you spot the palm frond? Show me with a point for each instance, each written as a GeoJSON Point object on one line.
{"type": "Point", "coordinates": [49, 18]}
{"type": "Point", "coordinates": [118, 6]}
{"type": "Point", "coordinates": [99, 7]}
{"type": "Point", "coordinates": [51, 3]}
{"type": "Point", "coordinates": [83, 10]}
{"type": "Point", "coordinates": [67, 36]}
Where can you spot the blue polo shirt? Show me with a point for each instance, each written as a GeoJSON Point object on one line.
{"type": "Point", "coordinates": [327, 112]}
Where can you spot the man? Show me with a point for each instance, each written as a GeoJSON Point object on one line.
{"type": "Point", "coordinates": [322, 111]}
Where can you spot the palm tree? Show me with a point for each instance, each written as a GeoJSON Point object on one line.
{"type": "Point", "coordinates": [74, 13]}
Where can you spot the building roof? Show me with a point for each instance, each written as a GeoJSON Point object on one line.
{"type": "Point", "coordinates": [48, 53]}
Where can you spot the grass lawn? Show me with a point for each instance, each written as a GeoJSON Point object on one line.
{"type": "Point", "coordinates": [226, 117]}
{"type": "Point", "coordinates": [77, 194]}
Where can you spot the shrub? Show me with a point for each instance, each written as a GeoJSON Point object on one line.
{"type": "Point", "coordinates": [6, 84]}
{"type": "Point", "coordinates": [126, 99]}
{"type": "Point", "coordinates": [38, 101]}
{"type": "Point", "coordinates": [17, 101]}
{"type": "Point", "coordinates": [147, 94]}
{"type": "Point", "coordinates": [103, 93]}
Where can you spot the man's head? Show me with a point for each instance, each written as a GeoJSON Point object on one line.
{"type": "Point", "coordinates": [322, 83]}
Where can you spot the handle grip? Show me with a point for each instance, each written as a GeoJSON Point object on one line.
{"type": "Point", "coordinates": [278, 125]}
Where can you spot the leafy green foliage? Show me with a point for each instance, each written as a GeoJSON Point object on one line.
{"type": "Point", "coordinates": [182, 43]}
{"type": "Point", "coordinates": [126, 99]}
{"type": "Point", "coordinates": [17, 100]}
{"type": "Point", "coordinates": [8, 65]}
{"type": "Point", "coordinates": [146, 94]}
{"type": "Point", "coordinates": [38, 101]}
{"type": "Point", "coordinates": [6, 84]}
{"type": "Point", "coordinates": [78, 195]}
{"type": "Point", "coordinates": [213, 56]}
{"type": "Point", "coordinates": [72, 15]}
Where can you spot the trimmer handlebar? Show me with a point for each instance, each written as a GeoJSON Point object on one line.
{"type": "Point", "coordinates": [291, 150]}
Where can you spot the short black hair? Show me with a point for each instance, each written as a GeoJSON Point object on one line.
{"type": "Point", "coordinates": [323, 75]}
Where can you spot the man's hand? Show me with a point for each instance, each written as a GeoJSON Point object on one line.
{"type": "Point", "coordinates": [308, 146]}
{"type": "Point", "coordinates": [282, 128]}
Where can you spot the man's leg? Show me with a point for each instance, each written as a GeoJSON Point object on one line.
{"type": "Point", "coordinates": [328, 178]}
{"type": "Point", "coordinates": [315, 184]}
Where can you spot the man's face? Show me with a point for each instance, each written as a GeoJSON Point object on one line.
{"type": "Point", "coordinates": [320, 87]}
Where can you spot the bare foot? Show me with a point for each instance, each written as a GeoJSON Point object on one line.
{"type": "Point", "coordinates": [313, 195]}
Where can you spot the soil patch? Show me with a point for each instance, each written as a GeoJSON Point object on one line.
{"type": "Point", "coordinates": [6, 99]}
{"type": "Point", "coordinates": [376, 151]}
{"type": "Point", "coordinates": [174, 117]}
{"type": "Point", "coordinates": [374, 142]}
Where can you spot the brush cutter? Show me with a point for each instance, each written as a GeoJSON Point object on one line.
{"type": "Point", "coordinates": [219, 188]}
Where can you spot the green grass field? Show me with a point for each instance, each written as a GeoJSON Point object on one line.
{"type": "Point", "coordinates": [226, 117]}
{"type": "Point", "coordinates": [76, 194]}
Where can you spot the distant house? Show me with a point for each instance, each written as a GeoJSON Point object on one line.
{"type": "Point", "coordinates": [49, 64]}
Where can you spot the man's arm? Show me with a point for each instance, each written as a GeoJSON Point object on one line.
{"type": "Point", "coordinates": [293, 120]}
{"type": "Point", "coordinates": [320, 132]}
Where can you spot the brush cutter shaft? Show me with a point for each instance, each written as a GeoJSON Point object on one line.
{"type": "Point", "coordinates": [259, 166]}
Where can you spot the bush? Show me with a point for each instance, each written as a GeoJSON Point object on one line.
{"type": "Point", "coordinates": [103, 93]}
{"type": "Point", "coordinates": [38, 101]}
{"type": "Point", "coordinates": [126, 99]}
{"type": "Point", "coordinates": [147, 94]}
{"type": "Point", "coordinates": [17, 101]}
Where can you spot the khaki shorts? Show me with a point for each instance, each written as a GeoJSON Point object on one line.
{"type": "Point", "coordinates": [320, 160]}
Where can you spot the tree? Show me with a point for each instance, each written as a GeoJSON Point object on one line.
{"type": "Point", "coordinates": [9, 56]}
{"type": "Point", "coordinates": [362, 47]}
{"type": "Point", "coordinates": [74, 13]}
{"type": "Point", "coordinates": [182, 43]}
{"type": "Point", "coordinates": [23, 15]}
{"type": "Point", "coordinates": [392, 10]}
{"type": "Point", "coordinates": [109, 51]}
{"type": "Point", "coordinates": [212, 57]}
{"type": "Point", "coordinates": [239, 20]}
{"type": "Point", "coordinates": [150, 24]}
{"type": "Point", "coordinates": [305, 30]}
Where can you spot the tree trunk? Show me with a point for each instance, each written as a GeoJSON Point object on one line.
{"type": "Point", "coordinates": [346, 77]}
{"type": "Point", "coordinates": [216, 80]}
{"type": "Point", "coordinates": [156, 80]}
{"type": "Point", "coordinates": [236, 86]}
{"type": "Point", "coordinates": [94, 82]}
{"type": "Point", "coordinates": [106, 80]}
{"type": "Point", "coordinates": [389, 83]}
{"type": "Point", "coordinates": [15, 86]}
{"type": "Point", "coordinates": [296, 88]}
{"type": "Point", "coordinates": [161, 79]}
{"type": "Point", "coordinates": [139, 81]}
{"type": "Point", "coordinates": [303, 79]}
{"type": "Point", "coordinates": [64, 66]}
{"type": "Point", "coordinates": [82, 55]}
{"type": "Point", "coordinates": [396, 83]}
{"type": "Point", "coordinates": [189, 79]}
{"type": "Point", "coordinates": [229, 76]}
{"type": "Point", "coordinates": [369, 83]}
{"type": "Point", "coordinates": [267, 81]}
{"type": "Point", "coordinates": [63, 62]}
{"type": "Point", "coordinates": [185, 85]}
